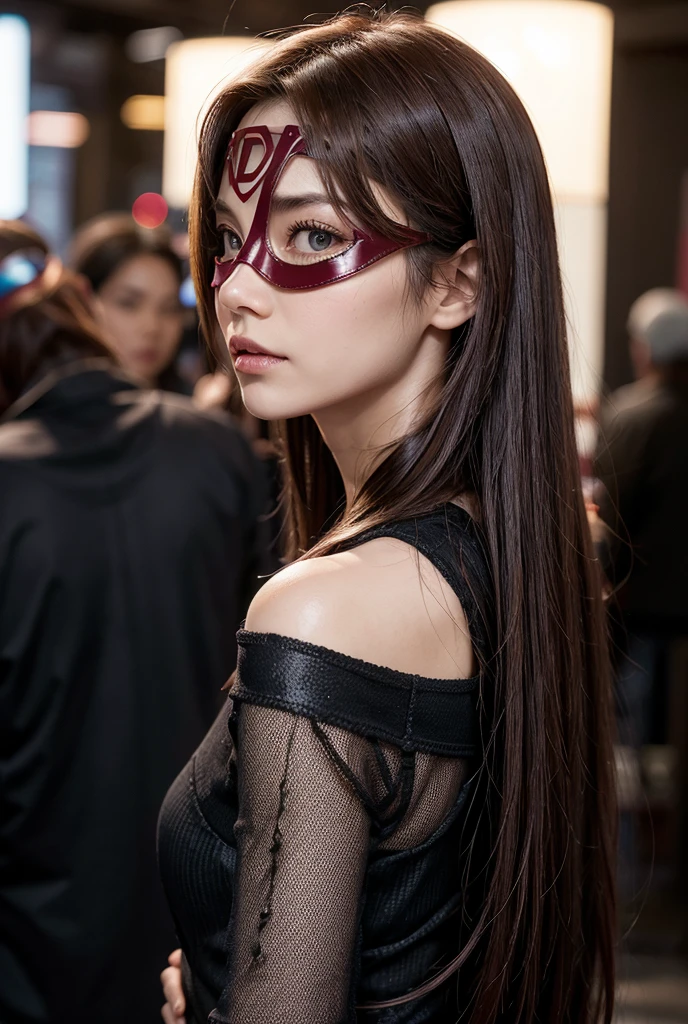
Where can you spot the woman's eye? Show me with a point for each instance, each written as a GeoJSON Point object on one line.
{"type": "Point", "coordinates": [231, 243]}
{"type": "Point", "coordinates": [312, 241]}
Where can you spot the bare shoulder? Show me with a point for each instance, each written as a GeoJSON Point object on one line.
{"type": "Point", "coordinates": [382, 602]}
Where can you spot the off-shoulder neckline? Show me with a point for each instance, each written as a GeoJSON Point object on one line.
{"type": "Point", "coordinates": [247, 637]}
{"type": "Point", "coordinates": [359, 665]}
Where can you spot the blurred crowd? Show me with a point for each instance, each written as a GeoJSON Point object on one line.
{"type": "Point", "coordinates": [641, 471]}
{"type": "Point", "coordinates": [135, 526]}
{"type": "Point", "coordinates": [138, 517]}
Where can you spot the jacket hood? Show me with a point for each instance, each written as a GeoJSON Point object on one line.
{"type": "Point", "coordinates": [86, 425]}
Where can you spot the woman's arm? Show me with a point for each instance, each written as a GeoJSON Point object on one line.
{"type": "Point", "coordinates": [302, 839]}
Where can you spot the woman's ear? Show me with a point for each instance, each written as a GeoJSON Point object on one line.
{"type": "Point", "coordinates": [456, 288]}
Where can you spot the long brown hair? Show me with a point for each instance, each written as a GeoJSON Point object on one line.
{"type": "Point", "coordinates": [54, 325]}
{"type": "Point", "coordinates": [393, 100]}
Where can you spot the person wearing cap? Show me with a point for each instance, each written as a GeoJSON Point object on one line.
{"type": "Point", "coordinates": [642, 464]}
{"type": "Point", "coordinates": [642, 467]}
{"type": "Point", "coordinates": [127, 557]}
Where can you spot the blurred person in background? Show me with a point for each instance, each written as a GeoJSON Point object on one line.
{"type": "Point", "coordinates": [127, 547]}
{"type": "Point", "coordinates": [642, 465]}
{"type": "Point", "coordinates": [135, 275]}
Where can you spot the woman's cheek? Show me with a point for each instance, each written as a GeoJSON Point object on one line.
{"type": "Point", "coordinates": [119, 322]}
{"type": "Point", "coordinates": [173, 333]}
{"type": "Point", "coordinates": [329, 309]}
{"type": "Point", "coordinates": [224, 316]}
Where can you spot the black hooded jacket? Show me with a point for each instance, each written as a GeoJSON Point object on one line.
{"type": "Point", "coordinates": [127, 555]}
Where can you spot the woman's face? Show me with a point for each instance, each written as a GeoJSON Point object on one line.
{"type": "Point", "coordinates": [141, 312]}
{"type": "Point", "coordinates": [336, 344]}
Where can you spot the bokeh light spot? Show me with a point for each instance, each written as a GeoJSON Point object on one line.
{"type": "Point", "coordinates": [149, 210]}
{"type": "Point", "coordinates": [187, 294]}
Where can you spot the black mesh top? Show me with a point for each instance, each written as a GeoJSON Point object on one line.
{"type": "Point", "coordinates": [310, 849]}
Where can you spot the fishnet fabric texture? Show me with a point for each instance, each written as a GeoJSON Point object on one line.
{"type": "Point", "coordinates": [314, 800]}
{"type": "Point", "coordinates": [348, 783]}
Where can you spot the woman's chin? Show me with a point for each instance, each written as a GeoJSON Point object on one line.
{"type": "Point", "coordinates": [271, 407]}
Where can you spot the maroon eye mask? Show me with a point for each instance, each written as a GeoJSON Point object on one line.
{"type": "Point", "coordinates": [267, 154]}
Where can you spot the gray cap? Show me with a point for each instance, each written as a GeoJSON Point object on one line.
{"type": "Point", "coordinates": [660, 319]}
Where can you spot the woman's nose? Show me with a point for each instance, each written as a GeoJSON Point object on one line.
{"type": "Point", "coordinates": [150, 323]}
{"type": "Point", "coordinates": [245, 291]}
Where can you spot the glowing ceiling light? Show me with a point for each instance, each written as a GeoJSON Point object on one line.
{"type": "Point", "coordinates": [151, 43]}
{"type": "Point", "coordinates": [144, 113]}
{"type": "Point", "coordinates": [60, 129]}
{"type": "Point", "coordinates": [196, 70]}
{"type": "Point", "coordinates": [557, 54]}
{"type": "Point", "coordinates": [15, 58]}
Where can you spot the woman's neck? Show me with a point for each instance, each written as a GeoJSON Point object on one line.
{"type": "Point", "coordinates": [359, 432]}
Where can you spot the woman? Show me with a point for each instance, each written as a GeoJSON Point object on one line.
{"type": "Point", "coordinates": [135, 275]}
{"type": "Point", "coordinates": [412, 814]}
{"type": "Point", "coordinates": [127, 547]}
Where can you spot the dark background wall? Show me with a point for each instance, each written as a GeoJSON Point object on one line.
{"type": "Point", "coordinates": [648, 164]}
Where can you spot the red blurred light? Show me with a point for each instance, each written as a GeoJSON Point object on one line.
{"type": "Point", "coordinates": [149, 210]}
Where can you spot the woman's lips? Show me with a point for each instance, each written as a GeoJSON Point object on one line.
{"type": "Point", "coordinates": [250, 357]}
{"type": "Point", "coordinates": [147, 357]}
{"type": "Point", "coordinates": [247, 363]}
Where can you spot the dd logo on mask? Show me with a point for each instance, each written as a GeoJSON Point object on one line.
{"type": "Point", "coordinates": [241, 155]}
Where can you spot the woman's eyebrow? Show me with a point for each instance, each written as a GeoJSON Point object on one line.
{"type": "Point", "coordinates": [283, 204]}
{"type": "Point", "coordinates": [131, 289]}
{"type": "Point", "coordinates": [222, 207]}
